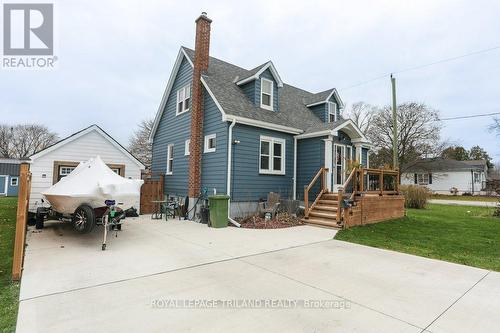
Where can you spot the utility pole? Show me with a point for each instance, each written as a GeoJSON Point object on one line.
{"type": "Point", "coordinates": [394, 125]}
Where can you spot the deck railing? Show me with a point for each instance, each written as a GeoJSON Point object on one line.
{"type": "Point", "coordinates": [321, 174]}
{"type": "Point", "coordinates": [369, 181]}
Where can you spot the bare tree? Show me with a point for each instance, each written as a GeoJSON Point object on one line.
{"type": "Point", "coordinates": [418, 134]}
{"type": "Point", "coordinates": [24, 140]}
{"type": "Point", "coordinates": [139, 144]}
{"type": "Point", "coordinates": [6, 141]}
{"type": "Point", "coordinates": [361, 114]}
{"type": "Point", "coordinates": [495, 127]}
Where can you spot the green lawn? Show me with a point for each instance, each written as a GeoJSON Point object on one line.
{"type": "Point", "coordinates": [461, 234]}
{"type": "Point", "coordinates": [465, 197]}
{"type": "Point", "coordinates": [9, 291]}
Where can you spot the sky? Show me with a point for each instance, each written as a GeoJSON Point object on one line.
{"type": "Point", "coordinates": [115, 58]}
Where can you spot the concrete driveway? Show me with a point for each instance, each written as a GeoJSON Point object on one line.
{"type": "Point", "coordinates": [181, 276]}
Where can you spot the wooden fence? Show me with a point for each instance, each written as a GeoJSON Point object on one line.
{"type": "Point", "coordinates": [21, 220]}
{"type": "Point", "coordinates": [151, 190]}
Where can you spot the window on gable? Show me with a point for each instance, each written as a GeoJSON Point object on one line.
{"type": "Point", "coordinates": [183, 99]}
{"type": "Point", "coordinates": [332, 112]}
{"type": "Point", "coordinates": [186, 147]}
{"type": "Point", "coordinates": [210, 143]}
{"type": "Point", "coordinates": [170, 159]}
{"type": "Point", "coordinates": [272, 156]}
{"type": "Point", "coordinates": [266, 94]}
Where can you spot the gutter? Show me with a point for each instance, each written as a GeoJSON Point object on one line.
{"type": "Point", "coordinates": [295, 168]}
{"type": "Point", "coordinates": [228, 182]}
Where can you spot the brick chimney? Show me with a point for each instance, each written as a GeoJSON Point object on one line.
{"type": "Point", "coordinates": [201, 55]}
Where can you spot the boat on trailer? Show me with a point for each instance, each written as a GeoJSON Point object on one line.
{"type": "Point", "coordinates": [91, 194]}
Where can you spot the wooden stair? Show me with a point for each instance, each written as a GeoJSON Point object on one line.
{"type": "Point", "coordinates": [324, 213]}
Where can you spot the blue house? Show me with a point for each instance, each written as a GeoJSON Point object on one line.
{"type": "Point", "coordinates": [246, 133]}
{"type": "Point", "coordinates": [9, 177]}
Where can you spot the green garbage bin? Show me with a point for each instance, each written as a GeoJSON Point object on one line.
{"type": "Point", "coordinates": [218, 210]}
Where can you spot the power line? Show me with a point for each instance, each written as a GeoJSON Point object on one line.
{"type": "Point", "coordinates": [422, 66]}
{"type": "Point", "coordinates": [472, 116]}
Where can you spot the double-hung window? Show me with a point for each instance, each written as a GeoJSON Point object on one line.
{"type": "Point", "coordinates": [266, 94]}
{"type": "Point", "coordinates": [170, 159]}
{"type": "Point", "coordinates": [272, 156]}
{"type": "Point", "coordinates": [183, 99]}
{"type": "Point", "coordinates": [332, 112]}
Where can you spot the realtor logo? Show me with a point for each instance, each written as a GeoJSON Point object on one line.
{"type": "Point", "coordinates": [28, 36]}
{"type": "Point", "coordinates": [28, 29]}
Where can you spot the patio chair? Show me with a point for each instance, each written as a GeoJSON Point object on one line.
{"type": "Point", "coordinates": [271, 205]}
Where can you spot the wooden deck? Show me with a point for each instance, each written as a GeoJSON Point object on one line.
{"type": "Point", "coordinates": [367, 196]}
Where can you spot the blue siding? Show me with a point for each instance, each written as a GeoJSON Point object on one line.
{"type": "Point", "coordinates": [267, 75]}
{"type": "Point", "coordinates": [247, 184]}
{"type": "Point", "coordinates": [174, 130]}
{"type": "Point", "coordinates": [342, 138]}
{"type": "Point", "coordinates": [310, 157]}
{"type": "Point", "coordinates": [250, 91]}
{"type": "Point", "coordinates": [321, 111]}
{"type": "Point", "coordinates": [12, 190]}
{"type": "Point", "coordinates": [214, 165]}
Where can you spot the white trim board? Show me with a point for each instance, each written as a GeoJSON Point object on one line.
{"type": "Point", "coordinates": [81, 133]}
{"type": "Point", "coordinates": [337, 97]}
{"type": "Point", "coordinates": [273, 70]}
{"type": "Point", "coordinates": [181, 55]}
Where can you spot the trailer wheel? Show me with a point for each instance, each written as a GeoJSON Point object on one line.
{"type": "Point", "coordinates": [84, 219]}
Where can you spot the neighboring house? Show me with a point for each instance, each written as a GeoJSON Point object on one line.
{"type": "Point", "coordinates": [9, 177]}
{"type": "Point", "coordinates": [49, 165]}
{"type": "Point", "coordinates": [245, 132]}
{"type": "Point", "coordinates": [442, 175]}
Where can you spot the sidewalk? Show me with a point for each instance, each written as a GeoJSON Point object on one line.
{"type": "Point", "coordinates": [463, 203]}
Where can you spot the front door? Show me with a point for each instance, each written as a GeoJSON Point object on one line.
{"type": "Point", "coordinates": [339, 166]}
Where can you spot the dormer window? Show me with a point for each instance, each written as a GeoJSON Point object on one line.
{"type": "Point", "coordinates": [332, 112]}
{"type": "Point", "coordinates": [183, 99]}
{"type": "Point", "coordinates": [266, 94]}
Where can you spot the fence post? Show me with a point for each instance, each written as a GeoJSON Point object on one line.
{"type": "Point", "coordinates": [21, 219]}
{"type": "Point", "coordinates": [306, 202]}
{"type": "Point", "coordinates": [340, 196]}
{"type": "Point", "coordinates": [361, 180]}
{"type": "Point", "coordinates": [381, 181]}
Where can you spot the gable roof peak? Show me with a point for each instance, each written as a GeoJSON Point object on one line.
{"type": "Point", "coordinates": [257, 71]}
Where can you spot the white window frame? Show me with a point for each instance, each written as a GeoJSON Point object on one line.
{"type": "Point", "coordinates": [421, 179]}
{"type": "Point", "coordinates": [348, 156]}
{"type": "Point", "coordinates": [183, 95]}
{"type": "Point", "coordinates": [271, 142]}
{"type": "Point", "coordinates": [187, 143]}
{"type": "Point", "coordinates": [61, 167]}
{"type": "Point", "coordinates": [170, 157]}
{"type": "Point", "coordinates": [267, 107]}
{"type": "Point", "coordinates": [16, 179]}
{"type": "Point", "coordinates": [332, 106]}
{"type": "Point", "coordinates": [207, 141]}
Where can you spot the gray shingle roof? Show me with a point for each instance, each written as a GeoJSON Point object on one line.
{"type": "Point", "coordinates": [440, 164]}
{"type": "Point", "coordinates": [220, 78]}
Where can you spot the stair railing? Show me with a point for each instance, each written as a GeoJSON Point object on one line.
{"type": "Point", "coordinates": [353, 178]}
{"type": "Point", "coordinates": [321, 174]}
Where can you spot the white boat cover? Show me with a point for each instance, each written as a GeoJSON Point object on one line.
{"type": "Point", "coordinates": [92, 182]}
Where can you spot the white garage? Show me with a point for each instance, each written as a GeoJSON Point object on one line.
{"type": "Point", "coordinates": [51, 164]}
